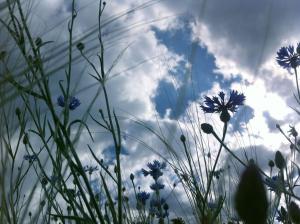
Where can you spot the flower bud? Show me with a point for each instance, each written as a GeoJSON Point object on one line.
{"type": "Point", "coordinates": [166, 206]}
{"type": "Point", "coordinates": [131, 176]}
{"type": "Point", "coordinates": [25, 139]}
{"type": "Point", "coordinates": [80, 46]}
{"type": "Point", "coordinates": [182, 138]}
{"type": "Point", "coordinates": [207, 128]}
{"type": "Point", "coordinates": [44, 181]}
{"type": "Point", "coordinates": [279, 160]}
{"type": "Point", "coordinates": [271, 163]}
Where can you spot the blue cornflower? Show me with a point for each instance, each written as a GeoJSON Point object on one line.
{"type": "Point", "coordinates": [155, 169]}
{"type": "Point", "coordinates": [61, 101]}
{"type": "Point", "coordinates": [152, 211]}
{"type": "Point", "coordinates": [217, 104]}
{"type": "Point", "coordinates": [275, 184]}
{"type": "Point", "coordinates": [282, 215]}
{"type": "Point", "coordinates": [74, 102]}
{"type": "Point", "coordinates": [30, 158]}
{"type": "Point", "coordinates": [142, 197]}
{"type": "Point", "coordinates": [287, 57]}
{"type": "Point", "coordinates": [90, 169]}
{"type": "Point", "coordinates": [157, 186]}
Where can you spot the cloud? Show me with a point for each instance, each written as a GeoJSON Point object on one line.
{"type": "Point", "coordinates": [244, 34]}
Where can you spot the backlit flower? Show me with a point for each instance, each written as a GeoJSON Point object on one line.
{"type": "Point", "coordinates": [217, 104]}
{"type": "Point", "coordinates": [275, 184]}
{"type": "Point", "coordinates": [287, 57]}
{"type": "Point", "coordinates": [157, 186]}
{"type": "Point", "coordinates": [142, 197]}
{"type": "Point", "coordinates": [74, 102]}
{"type": "Point", "coordinates": [155, 169]}
{"type": "Point", "coordinates": [30, 158]}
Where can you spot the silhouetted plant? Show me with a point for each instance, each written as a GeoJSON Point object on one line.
{"type": "Point", "coordinates": [251, 199]}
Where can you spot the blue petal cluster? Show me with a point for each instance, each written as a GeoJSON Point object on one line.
{"type": "Point", "coordinates": [157, 186]}
{"type": "Point", "coordinates": [217, 104]}
{"type": "Point", "coordinates": [287, 57]}
{"type": "Point", "coordinates": [142, 197]}
{"type": "Point", "coordinates": [30, 158]}
{"type": "Point", "coordinates": [155, 169]}
{"type": "Point", "coordinates": [90, 169]}
{"type": "Point", "coordinates": [275, 184]}
{"type": "Point", "coordinates": [155, 205]}
{"type": "Point", "coordinates": [74, 102]}
{"type": "Point", "coordinates": [282, 215]}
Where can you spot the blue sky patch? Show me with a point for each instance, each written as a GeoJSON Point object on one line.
{"type": "Point", "coordinates": [194, 81]}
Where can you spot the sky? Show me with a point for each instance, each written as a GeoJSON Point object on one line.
{"type": "Point", "coordinates": [175, 55]}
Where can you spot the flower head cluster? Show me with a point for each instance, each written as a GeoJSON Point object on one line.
{"type": "Point", "coordinates": [217, 104]}
{"type": "Point", "coordinates": [157, 203]}
{"type": "Point", "coordinates": [73, 104]}
{"type": "Point", "coordinates": [275, 184]}
{"type": "Point", "coordinates": [293, 132]}
{"type": "Point", "coordinates": [287, 57]}
{"type": "Point", "coordinates": [155, 169]}
{"type": "Point", "coordinates": [178, 220]}
{"type": "Point", "coordinates": [282, 215]}
{"type": "Point", "coordinates": [30, 158]}
{"type": "Point", "coordinates": [156, 206]}
{"type": "Point", "coordinates": [142, 197]}
{"type": "Point", "coordinates": [90, 169]}
{"type": "Point", "coordinates": [157, 186]}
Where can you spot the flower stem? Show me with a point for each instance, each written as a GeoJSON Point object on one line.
{"type": "Point", "coordinates": [215, 164]}
{"type": "Point", "coordinates": [297, 83]}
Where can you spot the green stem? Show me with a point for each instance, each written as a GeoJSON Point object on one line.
{"type": "Point", "coordinates": [215, 164]}
{"type": "Point", "coordinates": [297, 83]}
